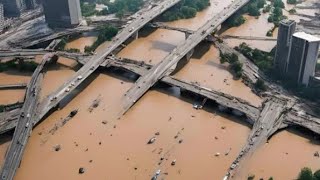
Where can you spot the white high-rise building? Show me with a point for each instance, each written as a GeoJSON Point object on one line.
{"type": "Point", "coordinates": [62, 13]}
{"type": "Point", "coordinates": [303, 58]}
{"type": "Point", "coordinates": [1, 18]}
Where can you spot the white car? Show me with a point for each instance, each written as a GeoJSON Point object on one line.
{"type": "Point", "coordinates": [67, 90]}
{"type": "Point", "coordinates": [79, 77]}
{"type": "Point", "coordinates": [131, 29]}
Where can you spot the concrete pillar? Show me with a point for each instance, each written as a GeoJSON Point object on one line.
{"type": "Point", "coordinates": [135, 35]}
{"type": "Point", "coordinates": [189, 54]}
{"type": "Point", "coordinates": [187, 35]}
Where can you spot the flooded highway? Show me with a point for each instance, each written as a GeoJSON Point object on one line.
{"type": "Point", "coordinates": [114, 156]}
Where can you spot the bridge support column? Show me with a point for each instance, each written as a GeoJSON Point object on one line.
{"type": "Point", "coordinates": [187, 35]}
{"type": "Point", "coordinates": [135, 35]}
{"type": "Point", "coordinates": [189, 54]}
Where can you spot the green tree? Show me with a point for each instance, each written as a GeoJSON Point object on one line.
{"type": "Point", "coordinates": [316, 175]}
{"type": "Point", "coordinates": [261, 3]}
{"type": "Point", "coordinates": [185, 9]}
{"type": "Point", "coordinates": [253, 10]}
{"type": "Point", "coordinates": [260, 85]}
{"type": "Point", "coordinates": [278, 3]}
{"type": "Point", "coordinates": [188, 12]}
{"type": "Point", "coordinates": [305, 174]}
{"type": "Point", "coordinates": [106, 33]}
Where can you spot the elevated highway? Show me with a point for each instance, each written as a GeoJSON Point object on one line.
{"type": "Point", "coordinates": [100, 58]}
{"type": "Point", "coordinates": [24, 124]}
{"type": "Point", "coordinates": [167, 65]}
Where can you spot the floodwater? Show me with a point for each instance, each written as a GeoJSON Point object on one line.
{"type": "Point", "coordinates": [283, 157]}
{"type": "Point", "coordinates": [253, 28]}
{"type": "Point", "coordinates": [4, 145]}
{"type": "Point", "coordinates": [259, 27]}
{"type": "Point", "coordinates": [82, 42]}
{"type": "Point", "coordinates": [203, 16]}
{"type": "Point", "coordinates": [210, 73]}
{"type": "Point", "coordinates": [119, 150]}
{"type": "Point", "coordinates": [56, 76]}
{"type": "Point", "coordinates": [153, 48]}
{"type": "Point", "coordinates": [13, 77]}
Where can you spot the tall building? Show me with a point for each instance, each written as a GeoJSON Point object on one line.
{"type": "Point", "coordinates": [286, 29]}
{"type": "Point", "coordinates": [31, 4]}
{"type": "Point", "coordinates": [1, 18]}
{"type": "Point", "coordinates": [303, 58]}
{"type": "Point", "coordinates": [13, 8]}
{"type": "Point", "coordinates": [62, 13]}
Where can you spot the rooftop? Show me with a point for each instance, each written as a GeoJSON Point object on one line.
{"type": "Point", "coordinates": [287, 22]}
{"type": "Point", "coordinates": [307, 37]}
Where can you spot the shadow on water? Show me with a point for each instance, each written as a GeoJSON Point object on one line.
{"type": "Point", "coordinates": [163, 46]}
{"type": "Point", "coordinates": [314, 138]}
{"type": "Point", "coordinates": [210, 106]}
{"type": "Point", "coordinates": [6, 137]}
{"type": "Point", "coordinates": [17, 73]}
{"type": "Point", "coordinates": [201, 49]}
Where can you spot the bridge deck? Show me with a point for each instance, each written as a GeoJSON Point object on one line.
{"type": "Point", "coordinates": [24, 124]}
{"type": "Point", "coordinates": [100, 57]}
{"type": "Point", "coordinates": [165, 67]}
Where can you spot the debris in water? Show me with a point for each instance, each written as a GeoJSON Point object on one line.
{"type": "Point", "coordinates": [173, 162]}
{"type": "Point", "coordinates": [223, 127]}
{"type": "Point", "coordinates": [316, 154]}
{"type": "Point", "coordinates": [217, 154]}
{"type": "Point", "coordinates": [57, 147]}
{"type": "Point", "coordinates": [104, 122]}
{"type": "Point", "coordinates": [216, 138]}
{"type": "Point", "coordinates": [90, 161]}
{"type": "Point", "coordinates": [180, 141]}
{"type": "Point", "coordinates": [155, 177]}
{"type": "Point", "coordinates": [157, 133]}
{"type": "Point", "coordinates": [81, 170]}
{"type": "Point", "coordinates": [95, 103]}
{"type": "Point", "coordinates": [227, 153]}
{"type": "Point", "coordinates": [152, 140]}
{"type": "Point", "coordinates": [73, 113]}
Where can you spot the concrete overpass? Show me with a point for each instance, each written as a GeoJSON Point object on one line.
{"type": "Point", "coordinates": [100, 58]}
{"type": "Point", "coordinates": [169, 63]}
{"type": "Point", "coordinates": [25, 123]}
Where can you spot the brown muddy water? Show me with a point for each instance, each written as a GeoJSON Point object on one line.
{"type": "Point", "coordinates": [209, 72]}
{"type": "Point", "coordinates": [119, 150]}
{"type": "Point", "coordinates": [259, 27]}
{"type": "Point", "coordinates": [283, 157]}
{"type": "Point", "coordinates": [56, 76]}
{"type": "Point", "coordinates": [154, 47]}
{"type": "Point", "coordinates": [13, 77]}
{"type": "Point", "coordinates": [82, 42]}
